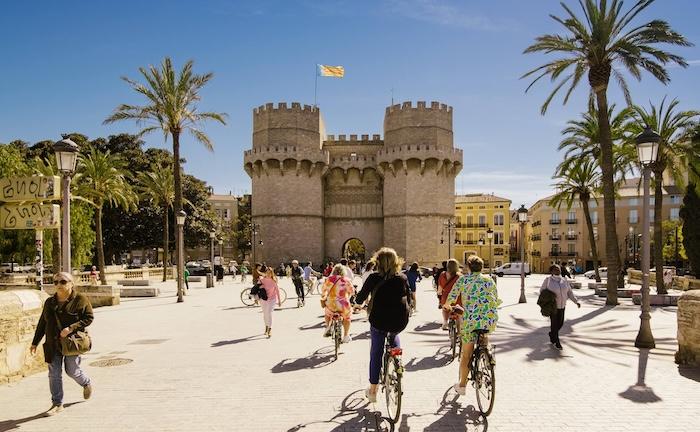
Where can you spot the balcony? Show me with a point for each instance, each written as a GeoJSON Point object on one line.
{"type": "Point", "coordinates": [571, 221]}
{"type": "Point", "coordinates": [571, 254]}
{"type": "Point", "coordinates": [555, 221]}
{"type": "Point", "coordinates": [474, 225]}
{"type": "Point", "coordinates": [535, 253]}
{"type": "Point", "coordinates": [571, 236]}
{"type": "Point", "coordinates": [555, 237]}
{"type": "Point", "coordinates": [536, 223]}
{"type": "Point", "coordinates": [536, 237]}
{"type": "Point", "coordinates": [555, 253]}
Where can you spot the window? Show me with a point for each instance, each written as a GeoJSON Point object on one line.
{"type": "Point", "coordinates": [482, 220]}
{"type": "Point", "coordinates": [498, 238]}
{"type": "Point", "coordinates": [498, 219]}
{"type": "Point", "coordinates": [594, 218]}
{"type": "Point", "coordinates": [595, 233]}
{"type": "Point", "coordinates": [470, 237]}
{"type": "Point", "coordinates": [634, 201]}
{"type": "Point", "coordinates": [571, 216]}
{"type": "Point", "coordinates": [555, 216]}
{"type": "Point", "coordinates": [675, 214]}
{"type": "Point", "coordinates": [634, 216]}
{"type": "Point", "coordinates": [571, 248]}
{"type": "Point", "coordinates": [651, 216]}
{"type": "Point", "coordinates": [675, 199]}
{"type": "Point", "coordinates": [592, 204]}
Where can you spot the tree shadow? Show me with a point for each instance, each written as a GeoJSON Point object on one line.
{"type": "Point", "coordinates": [453, 416]}
{"type": "Point", "coordinates": [365, 335]}
{"type": "Point", "coordinates": [441, 358]}
{"type": "Point", "coordinates": [640, 392]}
{"type": "Point", "coordinates": [354, 415]}
{"type": "Point", "coordinates": [237, 341]}
{"type": "Point", "coordinates": [318, 359]}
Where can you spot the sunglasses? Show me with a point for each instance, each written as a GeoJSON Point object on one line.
{"type": "Point", "coordinates": [61, 282]}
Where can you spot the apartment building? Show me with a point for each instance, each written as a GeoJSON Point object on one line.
{"type": "Point", "coordinates": [475, 214]}
{"type": "Point", "coordinates": [226, 208]}
{"type": "Point", "coordinates": [561, 236]}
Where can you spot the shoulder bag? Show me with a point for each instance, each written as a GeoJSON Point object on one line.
{"type": "Point", "coordinates": [76, 343]}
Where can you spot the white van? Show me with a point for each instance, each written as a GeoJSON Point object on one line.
{"type": "Point", "coordinates": [511, 269]}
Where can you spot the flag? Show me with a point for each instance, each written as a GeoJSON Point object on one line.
{"type": "Point", "coordinates": [331, 71]}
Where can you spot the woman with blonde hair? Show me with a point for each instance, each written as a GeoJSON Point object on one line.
{"type": "Point", "coordinates": [446, 281]}
{"type": "Point", "coordinates": [389, 299]}
{"type": "Point", "coordinates": [335, 296]}
{"type": "Point", "coordinates": [268, 281]}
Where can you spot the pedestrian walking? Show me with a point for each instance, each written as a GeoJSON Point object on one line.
{"type": "Point", "coordinates": [413, 276]}
{"type": "Point", "coordinates": [268, 281]}
{"type": "Point", "coordinates": [563, 292]}
{"type": "Point", "coordinates": [93, 276]}
{"type": "Point", "coordinates": [446, 281]}
{"type": "Point", "coordinates": [389, 300]}
{"type": "Point", "coordinates": [186, 278]}
{"type": "Point", "coordinates": [244, 270]}
{"type": "Point", "coordinates": [297, 274]}
{"type": "Point", "coordinates": [64, 315]}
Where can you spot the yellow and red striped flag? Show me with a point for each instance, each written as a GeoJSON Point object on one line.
{"type": "Point", "coordinates": [331, 71]}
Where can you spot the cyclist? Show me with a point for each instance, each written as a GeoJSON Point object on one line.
{"type": "Point", "coordinates": [244, 270]}
{"type": "Point", "coordinates": [335, 298]}
{"type": "Point", "coordinates": [310, 276]}
{"type": "Point", "coordinates": [480, 312]}
{"type": "Point", "coordinates": [413, 276]}
{"type": "Point", "coordinates": [296, 273]}
{"type": "Point", "coordinates": [446, 282]}
{"type": "Point", "coordinates": [389, 302]}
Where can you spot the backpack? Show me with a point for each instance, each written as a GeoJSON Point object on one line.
{"type": "Point", "coordinates": [547, 302]}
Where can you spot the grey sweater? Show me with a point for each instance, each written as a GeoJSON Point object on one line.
{"type": "Point", "coordinates": [561, 288]}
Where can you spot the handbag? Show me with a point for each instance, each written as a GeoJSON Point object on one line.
{"type": "Point", "coordinates": [76, 343]}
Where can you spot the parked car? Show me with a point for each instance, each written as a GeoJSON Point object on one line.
{"type": "Point", "coordinates": [603, 271]}
{"type": "Point", "coordinates": [196, 269]}
{"type": "Point", "coordinates": [512, 269]}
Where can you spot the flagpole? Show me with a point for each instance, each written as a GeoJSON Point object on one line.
{"type": "Point", "coordinates": [315, 83]}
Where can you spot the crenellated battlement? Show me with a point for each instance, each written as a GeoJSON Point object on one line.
{"type": "Point", "coordinates": [283, 107]}
{"type": "Point", "coordinates": [420, 106]}
{"type": "Point", "coordinates": [340, 140]}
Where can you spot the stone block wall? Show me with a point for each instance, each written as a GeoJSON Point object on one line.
{"type": "Point", "coordinates": [688, 353]}
{"type": "Point", "coordinates": [19, 314]}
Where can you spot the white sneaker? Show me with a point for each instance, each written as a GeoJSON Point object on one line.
{"type": "Point", "coordinates": [459, 389]}
{"type": "Point", "coordinates": [346, 339]}
{"type": "Point", "coordinates": [444, 326]}
{"type": "Point", "coordinates": [371, 397]}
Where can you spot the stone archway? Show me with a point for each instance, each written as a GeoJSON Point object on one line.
{"type": "Point", "coordinates": [354, 248]}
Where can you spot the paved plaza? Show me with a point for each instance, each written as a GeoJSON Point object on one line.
{"type": "Point", "coordinates": [204, 366]}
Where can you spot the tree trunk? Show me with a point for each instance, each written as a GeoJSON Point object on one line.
{"type": "Point", "coordinates": [608, 182]}
{"type": "Point", "coordinates": [658, 233]}
{"type": "Point", "coordinates": [100, 245]}
{"type": "Point", "coordinates": [591, 236]}
{"type": "Point", "coordinates": [165, 242]}
{"type": "Point", "coordinates": [177, 207]}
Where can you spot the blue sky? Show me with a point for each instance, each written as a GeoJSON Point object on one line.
{"type": "Point", "coordinates": [61, 63]}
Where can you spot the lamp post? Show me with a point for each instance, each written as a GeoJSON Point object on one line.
{"type": "Point", "coordinates": [489, 235]}
{"type": "Point", "coordinates": [180, 219]}
{"type": "Point", "coordinates": [448, 226]}
{"type": "Point", "coordinates": [647, 150]}
{"type": "Point", "coordinates": [210, 274]}
{"type": "Point", "coordinates": [522, 219]}
{"type": "Point", "coordinates": [254, 231]}
{"type": "Point", "coordinates": [66, 158]}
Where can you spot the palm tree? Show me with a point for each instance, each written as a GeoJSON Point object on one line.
{"type": "Point", "coordinates": [102, 180]}
{"type": "Point", "coordinates": [673, 156]}
{"type": "Point", "coordinates": [158, 188]}
{"type": "Point", "coordinates": [596, 46]}
{"type": "Point", "coordinates": [171, 107]}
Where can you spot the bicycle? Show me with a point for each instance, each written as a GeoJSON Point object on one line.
{"type": "Point", "coordinates": [311, 283]}
{"type": "Point", "coordinates": [454, 332]}
{"type": "Point", "coordinates": [337, 331]}
{"type": "Point", "coordinates": [483, 373]}
{"type": "Point", "coordinates": [390, 377]}
{"type": "Point", "coordinates": [249, 300]}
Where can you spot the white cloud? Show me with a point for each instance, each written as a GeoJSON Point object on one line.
{"type": "Point", "coordinates": [442, 13]}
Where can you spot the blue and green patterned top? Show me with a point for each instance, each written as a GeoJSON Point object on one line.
{"type": "Point", "coordinates": [481, 303]}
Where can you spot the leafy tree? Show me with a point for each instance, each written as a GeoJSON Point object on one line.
{"type": "Point", "coordinates": [201, 219]}
{"type": "Point", "coordinates": [171, 108]}
{"type": "Point", "coordinates": [673, 154]}
{"type": "Point", "coordinates": [597, 46]}
{"type": "Point", "coordinates": [690, 214]}
{"type": "Point", "coordinates": [102, 180]}
{"type": "Point", "coordinates": [157, 188]}
{"type": "Point", "coordinates": [673, 233]}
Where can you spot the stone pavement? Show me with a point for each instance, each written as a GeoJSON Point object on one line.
{"type": "Point", "coordinates": [203, 365]}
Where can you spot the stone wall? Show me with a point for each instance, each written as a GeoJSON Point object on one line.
{"type": "Point", "coordinates": [689, 329]}
{"type": "Point", "coordinates": [19, 314]}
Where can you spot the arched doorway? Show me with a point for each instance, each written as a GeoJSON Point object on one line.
{"type": "Point", "coordinates": [354, 249]}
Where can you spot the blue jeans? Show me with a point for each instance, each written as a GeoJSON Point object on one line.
{"type": "Point", "coordinates": [72, 365]}
{"type": "Point", "coordinates": [376, 352]}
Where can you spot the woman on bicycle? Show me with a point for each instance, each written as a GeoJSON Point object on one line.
{"type": "Point", "coordinates": [446, 282]}
{"type": "Point", "coordinates": [480, 301]}
{"type": "Point", "coordinates": [335, 298]}
{"type": "Point", "coordinates": [389, 300]}
{"type": "Point", "coordinates": [268, 281]}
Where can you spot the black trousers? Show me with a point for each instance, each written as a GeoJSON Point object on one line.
{"type": "Point", "coordinates": [557, 322]}
{"type": "Point", "coordinates": [299, 288]}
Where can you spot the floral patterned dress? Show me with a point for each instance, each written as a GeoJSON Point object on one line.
{"type": "Point", "coordinates": [480, 304]}
{"type": "Point", "coordinates": [337, 291]}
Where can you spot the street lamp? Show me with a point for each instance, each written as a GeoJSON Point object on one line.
{"type": "Point", "coordinates": [66, 157]}
{"type": "Point", "coordinates": [647, 150]}
{"type": "Point", "coordinates": [489, 235]}
{"type": "Point", "coordinates": [210, 275]}
{"type": "Point", "coordinates": [522, 219]}
{"type": "Point", "coordinates": [180, 219]}
{"type": "Point", "coordinates": [254, 231]}
{"type": "Point", "coordinates": [448, 226]}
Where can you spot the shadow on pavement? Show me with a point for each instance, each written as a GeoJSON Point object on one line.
{"type": "Point", "coordinates": [452, 416]}
{"type": "Point", "coordinates": [354, 415]}
{"type": "Point", "coordinates": [428, 326]}
{"type": "Point", "coordinates": [237, 341]}
{"type": "Point", "coordinates": [318, 325]}
{"type": "Point", "coordinates": [639, 392]}
{"type": "Point", "coordinates": [690, 373]}
{"type": "Point", "coordinates": [318, 359]}
{"type": "Point", "coordinates": [12, 424]}
{"type": "Point", "coordinates": [441, 358]}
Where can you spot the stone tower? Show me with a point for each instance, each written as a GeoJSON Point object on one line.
{"type": "Point", "coordinates": [286, 165]}
{"type": "Point", "coordinates": [419, 163]}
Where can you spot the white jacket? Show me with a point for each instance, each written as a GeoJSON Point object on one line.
{"type": "Point", "coordinates": [561, 288]}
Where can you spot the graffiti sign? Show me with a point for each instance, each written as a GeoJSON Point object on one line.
{"type": "Point", "coordinates": [29, 216]}
{"type": "Point", "coordinates": [35, 188]}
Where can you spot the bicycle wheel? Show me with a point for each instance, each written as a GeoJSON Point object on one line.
{"type": "Point", "coordinates": [283, 295]}
{"type": "Point", "coordinates": [453, 337]}
{"type": "Point", "coordinates": [485, 382]}
{"type": "Point", "coordinates": [337, 336]}
{"type": "Point", "coordinates": [246, 298]}
{"type": "Point", "coordinates": [392, 389]}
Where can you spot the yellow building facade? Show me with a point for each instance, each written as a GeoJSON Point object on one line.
{"type": "Point", "coordinates": [475, 214]}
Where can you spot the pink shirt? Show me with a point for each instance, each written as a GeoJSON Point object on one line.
{"type": "Point", "coordinates": [270, 287]}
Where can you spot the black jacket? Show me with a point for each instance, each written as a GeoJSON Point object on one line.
{"type": "Point", "coordinates": [547, 302]}
{"type": "Point", "coordinates": [75, 313]}
{"type": "Point", "coordinates": [390, 303]}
